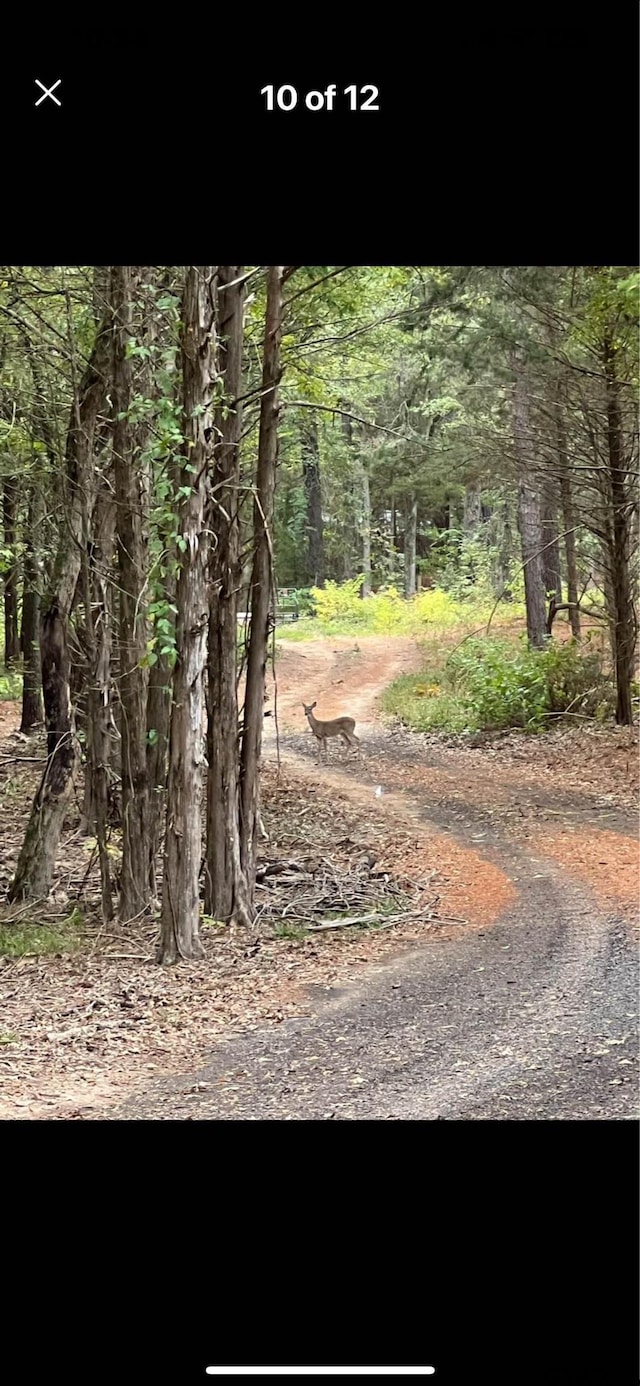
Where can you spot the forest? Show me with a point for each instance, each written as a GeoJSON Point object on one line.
{"type": "Point", "coordinates": [404, 497]}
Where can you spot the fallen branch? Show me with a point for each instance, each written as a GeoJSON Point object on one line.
{"type": "Point", "coordinates": [370, 919]}
{"type": "Point", "coordinates": [343, 923]}
{"type": "Point", "coordinates": [23, 760]}
{"type": "Point", "coordinates": [273, 868]}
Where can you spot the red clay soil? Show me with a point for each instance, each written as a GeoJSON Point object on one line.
{"type": "Point", "coordinates": [476, 891]}
{"type": "Point", "coordinates": [608, 861]}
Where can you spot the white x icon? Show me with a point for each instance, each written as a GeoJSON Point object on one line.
{"type": "Point", "coordinates": [48, 91]}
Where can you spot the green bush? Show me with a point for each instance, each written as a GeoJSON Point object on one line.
{"type": "Point", "coordinates": [489, 685]}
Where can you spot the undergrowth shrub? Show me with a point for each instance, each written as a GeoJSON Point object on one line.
{"type": "Point", "coordinates": [492, 684]}
{"type": "Point", "coordinates": [10, 686]}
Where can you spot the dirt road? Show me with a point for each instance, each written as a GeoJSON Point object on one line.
{"type": "Point", "coordinates": [526, 1009]}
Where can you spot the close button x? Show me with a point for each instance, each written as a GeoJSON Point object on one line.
{"type": "Point", "coordinates": [48, 91]}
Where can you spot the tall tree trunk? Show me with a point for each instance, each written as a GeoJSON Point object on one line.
{"type": "Point", "coordinates": [551, 545]}
{"type": "Point", "coordinates": [410, 531]}
{"type": "Point", "coordinates": [158, 724]}
{"type": "Point", "coordinates": [529, 514]}
{"type": "Point", "coordinates": [565, 488]}
{"type": "Point", "coordinates": [261, 580]}
{"type": "Point", "coordinates": [29, 634]}
{"type": "Point", "coordinates": [472, 510]}
{"type": "Point", "coordinates": [180, 918]}
{"type": "Point", "coordinates": [365, 530]}
{"type": "Point", "coordinates": [621, 505]}
{"type": "Point", "coordinates": [37, 857]}
{"type": "Point", "coordinates": [226, 888]}
{"type": "Point", "coordinates": [353, 540]}
{"type": "Point", "coordinates": [131, 500]}
{"type": "Point", "coordinates": [313, 492]}
{"type": "Point", "coordinates": [97, 575]}
{"type": "Point", "coordinates": [501, 530]}
{"type": "Point", "coordinates": [10, 516]}
{"type": "Point", "coordinates": [568, 513]}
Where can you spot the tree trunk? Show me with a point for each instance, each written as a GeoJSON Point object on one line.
{"type": "Point", "coordinates": [261, 579]}
{"type": "Point", "coordinates": [226, 889]}
{"type": "Point", "coordinates": [37, 857]}
{"type": "Point", "coordinates": [158, 723]}
{"type": "Point", "coordinates": [410, 529]}
{"type": "Point", "coordinates": [353, 534]}
{"type": "Point", "coordinates": [565, 488]}
{"type": "Point", "coordinates": [551, 546]}
{"type": "Point", "coordinates": [10, 513]}
{"type": "Point", "coordinates": [131, 501]}
{"type": "Point", "coordinates": [180, 918]}
{"type": "Point", "coordinates": [529, 515]}
{"type": "Point", "coordinates": [621, 505]}
{"type": "Point", "coordinates": [365, 530]}
{"type": "Point", "coordinates": [313, 493]}
{"type": "Point", "coordinates": [502, 532]}
{"type": "Point", "coordinates": [97, 575]}
{"type": "Point", "coordinates": [568, 515]}
{"type": "Point", "coordinates": [29, 635]}
{"type": "Point", "coordinates": [472, 511]}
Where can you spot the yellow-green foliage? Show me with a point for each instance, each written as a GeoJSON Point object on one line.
{"type": "Point", "coordinates": [339, 608]}
{"type": "Point", "coordinates": [339, 602]}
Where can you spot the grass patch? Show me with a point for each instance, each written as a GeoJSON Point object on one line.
{"type": "Point", "coordinates": [306, 628]}
{"type": "Point", "coordinates": [423, 706]}
{"type": "Point", "coordinates": [296, 931]}
{"type": "Point", "coordinates": [33, 940]}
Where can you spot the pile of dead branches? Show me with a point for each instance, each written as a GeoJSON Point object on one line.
{"type": "Point", "coordinates": [316, 894]}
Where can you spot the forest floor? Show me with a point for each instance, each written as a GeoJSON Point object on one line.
{"type": "Point", "coordinates": [500, 979]}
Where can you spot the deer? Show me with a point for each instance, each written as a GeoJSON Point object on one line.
{"type": "Point", "coordinates": [339, 726]}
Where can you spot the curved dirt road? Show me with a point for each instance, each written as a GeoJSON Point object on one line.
{"type": "Point", "coordinates": [528, 1010]}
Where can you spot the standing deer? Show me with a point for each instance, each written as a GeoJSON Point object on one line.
{"type": "Point", "coordinates": [340, 726]}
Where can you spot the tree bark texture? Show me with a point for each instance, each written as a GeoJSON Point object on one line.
{"type": "Point", "coordinates": [261, 579]}
{"type": "Point", "coordinates": [622, 503]}
{"type": "Point", "coordinates": [30, 632]}
{"type": "Point", "coordinates": [180, 917]}
{"type": "Point", "coordinates": [568, 512]}
{"type": "Point", "coordinates": [226, 887]}
{"type": "Point", "coordinates": [313, 494]}
{"type": "Point", "coordinates": [410, 532]}
{"type": "Point", "coordinates": [38, 853]}
{"type": "Point", "coordinates": [131, 533]}
{"type": "Point", "coordinates": [529, 512]}
{"type": "Point", "coordinates": [11, 570]}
